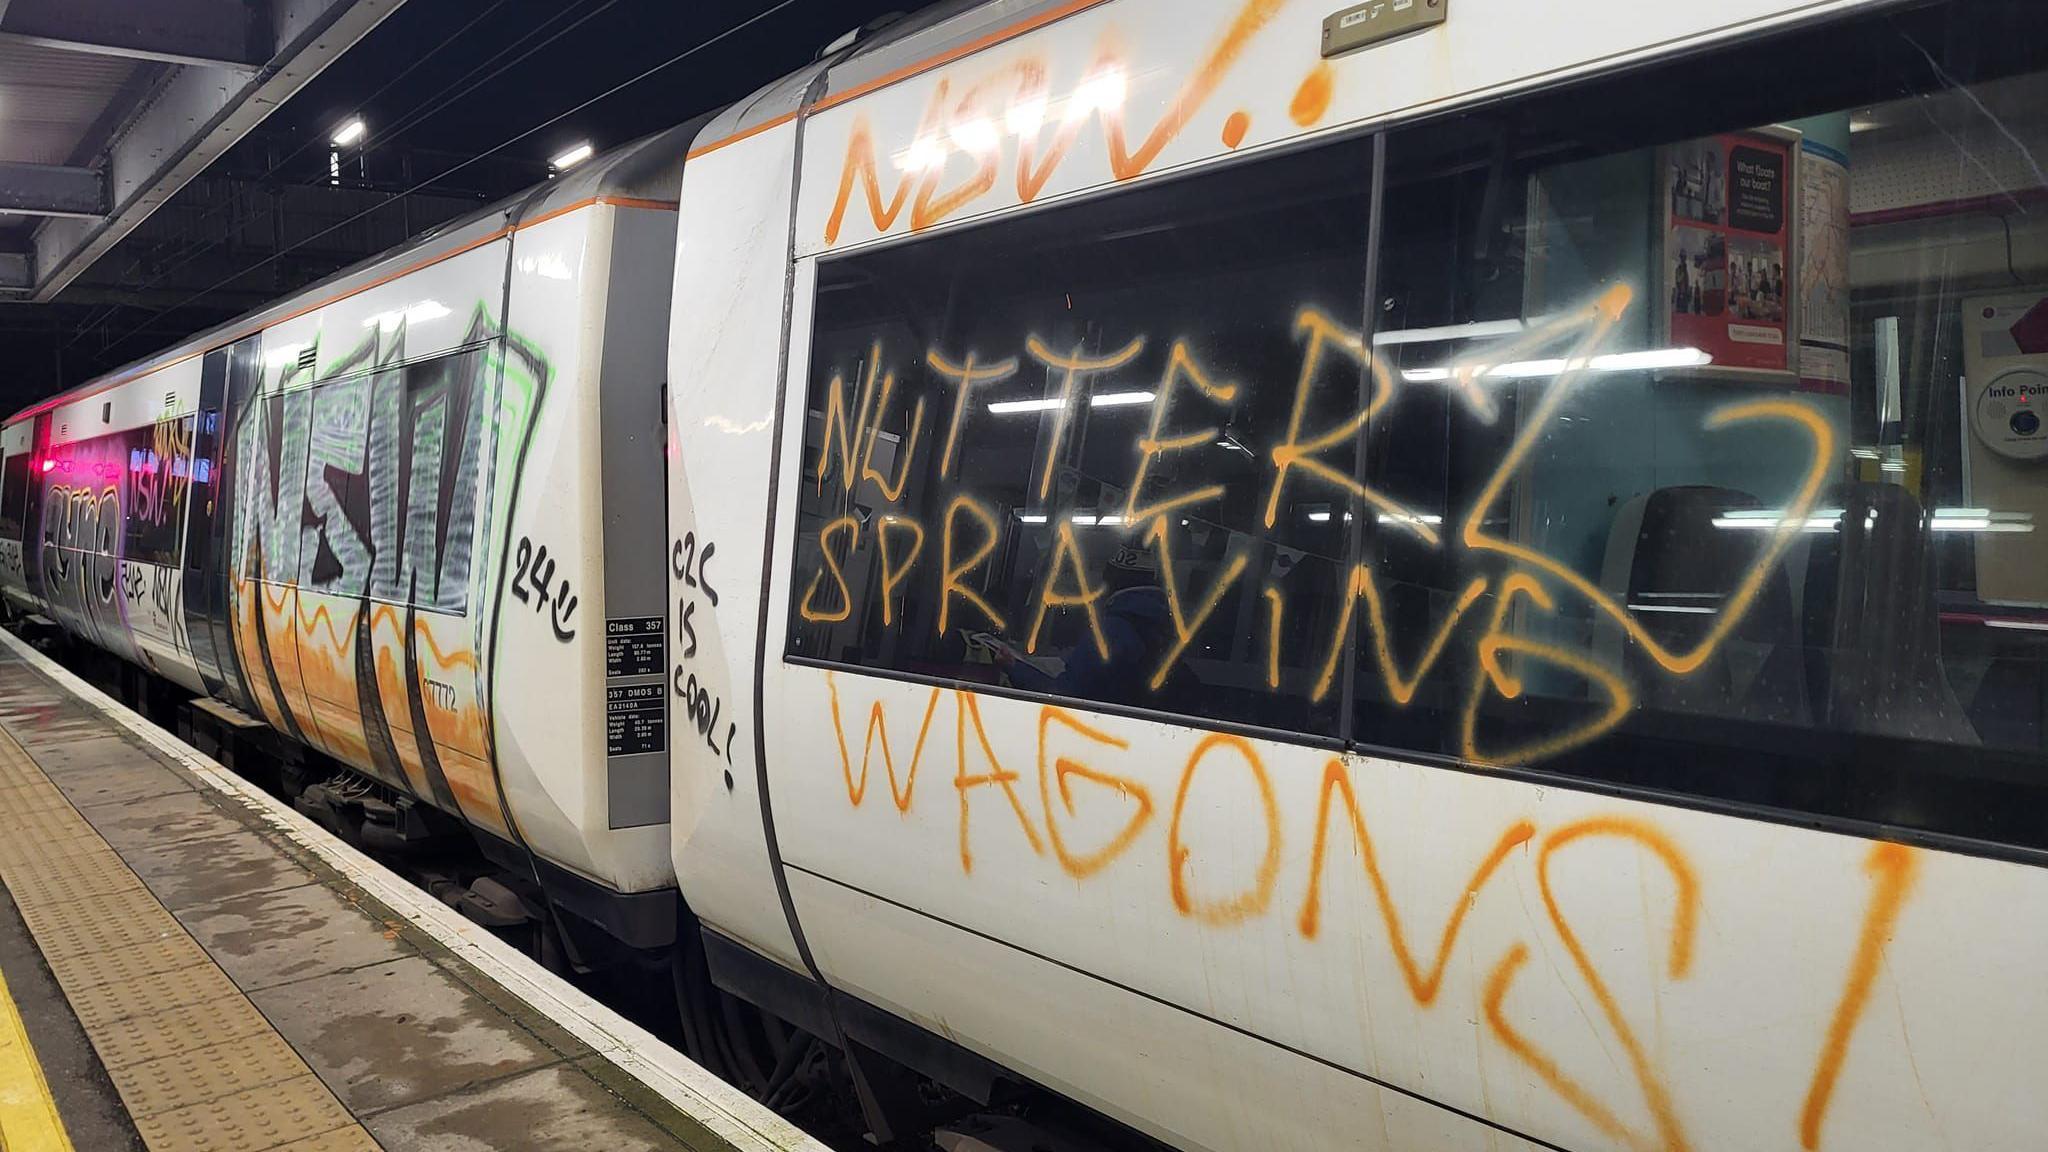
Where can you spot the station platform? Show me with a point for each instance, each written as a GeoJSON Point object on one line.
{"type": "Point", "coordinates": [189, 964]}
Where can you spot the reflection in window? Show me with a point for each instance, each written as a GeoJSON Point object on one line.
{"type": "Point", "coordinates": [1731, 420]}
{"type": "Point", "coordinates": [159, 483]}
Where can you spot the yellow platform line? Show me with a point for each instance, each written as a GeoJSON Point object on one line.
{"type": "Point", "coordinates": [28, 1113]}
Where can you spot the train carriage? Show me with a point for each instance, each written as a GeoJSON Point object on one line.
{"type": "Point", "coordinates": [1291, 622]}
{"type": "Point", "coordinates": [304, 514]}
{"type": "Point", "coordinates": [1436, 574]}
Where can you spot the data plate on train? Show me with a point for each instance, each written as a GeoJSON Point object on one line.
{"type": "Point", "coordinates": [1365, 24]}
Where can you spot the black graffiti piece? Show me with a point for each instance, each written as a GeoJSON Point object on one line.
{"type": "Point", "coordinates": [693, 569]}
{"type": "Point", "coordinates": [704, 710]}
{"type": "Point", "coordinates": [162, 589]}
{"type": "Point", "coordinates": [537, 568]}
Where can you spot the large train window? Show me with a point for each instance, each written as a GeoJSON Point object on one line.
{"type": "Point", "coordinates": [1038, 453]}
{"type": "Point", "coordinates": [368, 485]}
{"type": "Point", "coordinates": [159, 459]}
{"type": "Point", "coordinates": [14, 485]}
{"type": "Point", "coordinates": [1711, 463]}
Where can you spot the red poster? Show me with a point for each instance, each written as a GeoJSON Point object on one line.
{"type": "Point", "coordinates": [1727, 234]}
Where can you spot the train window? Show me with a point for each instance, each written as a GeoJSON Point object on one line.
{"type": "Point", "coordinates": [378, 479]}
{"type": "Point", "coordinates": [423, 537]}
{"type": "Point", "coordinates": [14, 484]}
{"type": "Point", "coordinates": [158, 475]}
{"type": "Point", "coordinates": [1039, 453]}
{"type": "Point", "coordinates": [1711, 461]}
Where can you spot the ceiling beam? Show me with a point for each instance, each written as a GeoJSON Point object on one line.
{"type": "Point", "coordinates": [194, 117]}
{"type": "Point", "coordinates": [51, 190]}
{"type": "Point", "coordinates": [14, 272]}
{"type": "Point", "coordinates": [226, 33]}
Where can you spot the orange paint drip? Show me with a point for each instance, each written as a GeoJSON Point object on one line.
{"type": "Point", "coordinates": [1312, 99]}
{"type": "Point", "coordinates": [1067, 552]}
{"type": "Point", "coordinates": [1424, 986]}
{"type": "Point", "coordinates": [893, 573]}
{"type": "Point", "coordinates": [997, 775]}
{"type": "Point", "coordinates": [1893, 868]}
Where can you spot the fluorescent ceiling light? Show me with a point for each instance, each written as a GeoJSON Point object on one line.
{"type": "Point", "coordinates": [1645, 360]}
{"type": "Point", "coordinates": [1764, 519]}
{"type": "Point", "coordinates": [1047, 404]}
{"type": "Point", "coordinates": [1474, 331]}
{"type": "Point", "coordinates": [572, 157]}
{"type": "Point", "coordinates": [1119, 399]}
{"type": "Point", "coordinates": [349, 133]}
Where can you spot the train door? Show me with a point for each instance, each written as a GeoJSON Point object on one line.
{"type": "Point", "coordinates": [17, 476]}
{"type": "Point", "coordinates": [224, 371]}
{"type": "Point", "coordinates": [32, 513]}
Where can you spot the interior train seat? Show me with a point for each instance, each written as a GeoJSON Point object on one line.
{"type": "Point", "coordinates": [1672, 568]}
{"type": "Point", "coordinates": [1872, 627]}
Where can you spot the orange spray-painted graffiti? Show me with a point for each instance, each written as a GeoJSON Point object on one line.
{"type": "Point", "coordinates": [1070, 747]}
{"type": "Point", "coordinates": [1893, 868]}
{"type": "Point", "coordinates": [1523, 582]}
{"type": "Point", "coordinates": [971, 119]}
{"type": "Point", "coordinates": [1423, 985]}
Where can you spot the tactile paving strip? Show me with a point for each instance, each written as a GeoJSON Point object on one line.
{"type": "Point", "coordinates": [197, 1066]}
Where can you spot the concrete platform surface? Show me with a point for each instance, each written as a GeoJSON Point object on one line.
{"type": "Point", "coordinates": [200, 979]}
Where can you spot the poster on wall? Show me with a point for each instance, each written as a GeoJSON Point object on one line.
{"type": "Point", "coordinates": [1823, 277]}
{"type": "Point", "coordinates": [1729, 282]}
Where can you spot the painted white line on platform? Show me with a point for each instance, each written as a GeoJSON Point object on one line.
{"type": "Point", "coordinates": [720, 1107]}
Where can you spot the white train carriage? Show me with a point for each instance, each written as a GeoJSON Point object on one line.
{"type": "Point", "coordinates": [1330, 591]}
{"type": "Point", "coordinates": [306, 513]}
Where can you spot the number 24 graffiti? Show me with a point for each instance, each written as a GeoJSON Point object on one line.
{"type": "Point", "coordinates": [535, 566]}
